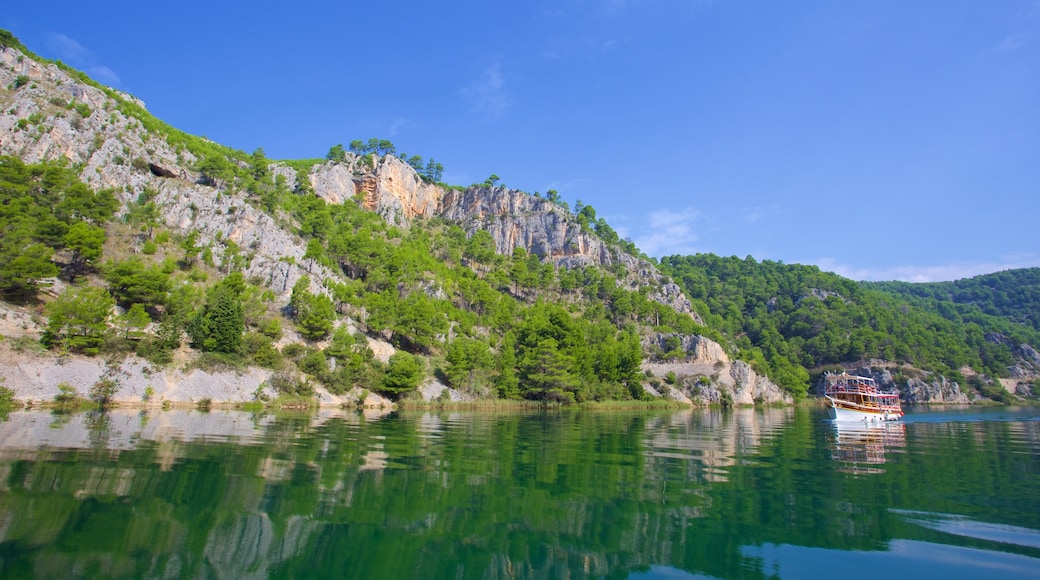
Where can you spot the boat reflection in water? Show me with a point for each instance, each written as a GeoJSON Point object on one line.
{"type": "Point", "coordinates": [862, 447]}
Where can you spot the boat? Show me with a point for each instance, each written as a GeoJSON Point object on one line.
{"type": "Point", "coordinates": [856, 398]}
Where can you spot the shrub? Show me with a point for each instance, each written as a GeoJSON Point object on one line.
{"type": "Point", "coordinates": [103, 391]}
{"type": "Point", "coordinates": [67, 396]}
{"type": "Point", "coordinates": [7, 401]}
{"type": "Point", "coordinates": [288, 384]}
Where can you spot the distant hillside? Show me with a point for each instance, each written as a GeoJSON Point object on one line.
{"type": "Point", "coordinates": [794, 317]}
{"type": "Point", "coordinates": [1011, 294]}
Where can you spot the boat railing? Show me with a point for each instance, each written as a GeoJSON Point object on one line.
{"type": "Point", "coordinates": [877, 406]}
{"type": "Point", "coordinates": [855, 388]}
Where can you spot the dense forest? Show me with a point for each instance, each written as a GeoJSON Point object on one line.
{"type": "Point", "coordinates": [1012, 294]}
{"type": "Point", "coordinates": [794, 318]}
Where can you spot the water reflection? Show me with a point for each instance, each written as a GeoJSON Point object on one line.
{"type": "Point", "coordinates": [860, 448]}
{"type": "Point", "coordinates": [712, 493]}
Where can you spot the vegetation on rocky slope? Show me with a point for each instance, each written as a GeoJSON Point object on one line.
{"type": "Point", "coordinates": [793, 318]}
{"type": "Point", "coordinates": [142, 268]}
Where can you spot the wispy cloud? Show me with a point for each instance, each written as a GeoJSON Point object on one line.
{"type": "Point", "coordinates": [1011, 42]}
{"type": "Point", "coordinates": [487, 94]}
{"type": "Point", "coordinates": [751, 215]}
{"type": "Point", "coordinates": [78, 56]}
{"type": "Point", "coordinates": [396, 124]}
{"type": "Point", "coordinates": [669, 232]}
{"type": "Point", "coordinates": [935, 273]}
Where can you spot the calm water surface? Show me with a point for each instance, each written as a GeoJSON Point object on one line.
{"type": "Point", "coordinates": [752, 493]}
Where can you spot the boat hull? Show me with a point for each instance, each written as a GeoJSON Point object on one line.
{"type": "Point", "coordinates": [838, 413]}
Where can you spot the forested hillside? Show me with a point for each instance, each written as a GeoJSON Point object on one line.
{"type": "Point", "coordinates": [1011, 294]}
{"type": "Point", "coordinates": [795, 317]}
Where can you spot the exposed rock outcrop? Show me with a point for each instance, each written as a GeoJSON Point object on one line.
{"type": "Point", "coordinates": [391, 188]}
{"type": "Point", "coordinates": [922, 388]}
{"type": "Point", "coordinates": [705, 375]}
{"type": "Point", "coordinates": [116, 151]}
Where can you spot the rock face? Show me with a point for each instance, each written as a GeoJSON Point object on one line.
{"type": "Point", "coordinates": [38, 122]}
{"type": "Point", "coordinates": [116, 151]}
{"type": "Point", "coordinates": [36, 378]}
{"type": "Point", "coordinates": [391, 188]}
{"type": "Point", "coordinates": [706, 376]}
{"type": "Point", "coordinates": [931, 389]}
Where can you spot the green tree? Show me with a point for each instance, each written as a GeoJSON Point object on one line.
{"type": "Point", "coordinates": [433, 172]}
{"type": "Point", "coordinates": [77, 320]}
{"type": "Point", "coordinates": [314, 313]}
{"type": "Point", "coordinates": [336, 153]}
{"type": "Point", "coordinates": [404, 372]}
{"type": "Point", "coordinates": [132, 282]}
{"type": "Point", "coordinates": [219, 325]}
{"type": "Point", "coordinates": [85, 242]}
{"type": "Point", "coordinates": [546, 373]}
{"type": "Point", "coordinates": [469, 364]}
{"type": "Point", "coordinates": [9, 40]}
{"type": "Point", "coordinates": [79, 202]}
{"type": "Point", "coordinates": [507, 382]}
{"type": "Point", "coordinates": [258, 163]}
{"type": "Point", "coordinates": [23, 265]}
{"type": "Point", "coordinates": [133, 322]}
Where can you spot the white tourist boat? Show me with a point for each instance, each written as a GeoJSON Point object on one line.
{"type": "Point", "coordinates": [856, 398]}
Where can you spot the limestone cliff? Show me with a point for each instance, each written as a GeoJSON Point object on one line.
{"type": "Point", "coordinates": [58, 116]}
{"type": "Point", "coordinates": [391, 188]}
{"type": "Point", "coordinates": [38, 122]}
{"type": "Point", "coordinates": [705, 375]}
{"type": "Point", "coordinates": [915, 387]}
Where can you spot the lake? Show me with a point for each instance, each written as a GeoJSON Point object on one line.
{"type": "Point", "coordinates": [704, 493]}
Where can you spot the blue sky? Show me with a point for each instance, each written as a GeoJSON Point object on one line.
{"type": "Point", "coordinates": [879, 139]}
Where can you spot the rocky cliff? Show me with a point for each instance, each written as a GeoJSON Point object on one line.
{"type": "Point", "coordinates": [58, 117]}
{"type": "Point", "coordinates": [39, 122]}
{"type": "Point", "coordinates": [50, 113]}
{"type": "Point", "coordinates": [913, 386]}
{"type": "Point", "coordinates": [391, 188]}
{"type": "Point", "coordinates": [705, 375]}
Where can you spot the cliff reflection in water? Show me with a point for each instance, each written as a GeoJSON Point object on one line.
{"type": "Point", "coordinates": [428, 494]}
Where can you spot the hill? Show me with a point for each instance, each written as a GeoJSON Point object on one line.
{"type": "Point", "coordinates": [1012, 294]}
{"type": "Point", "coordinates": [147, 256]}
{"type": "Point", "coordinates": [795, 319]}
{"type": "Point", "coordinates": [342, 276]}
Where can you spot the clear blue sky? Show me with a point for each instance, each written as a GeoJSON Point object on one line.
{"type": "Point", "coordinates": [879, 139]}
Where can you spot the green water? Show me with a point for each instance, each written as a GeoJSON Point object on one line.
{"type": "Point", "coordinates": [759, 493]}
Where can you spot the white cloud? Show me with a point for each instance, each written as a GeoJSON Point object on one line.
{"type": "Point", "coordinates": [751, 215]}
{"type": "Point", "coordinates": [936, 273]}
{"type": "Point", "coordinates": [487, 95]}
{"type": "Point", "coordinates": [395, 125]}
{"type": "Point", "coordinates": [68, 49]}
{"type": "Point", "coordinates": [669, 232]}
{"type": "Point", "coordinates": [103, 75]}
{"type": "Point", "coordinates": [75, 54]}
{"type": "Point", "coordinates": [1011, 42]}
